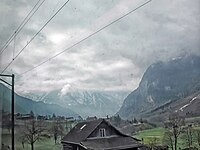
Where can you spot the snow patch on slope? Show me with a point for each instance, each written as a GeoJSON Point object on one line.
{"type": "Point", "coordinates": [186, 105]}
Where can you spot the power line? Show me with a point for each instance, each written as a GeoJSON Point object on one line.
{"type": "Point", "coordinates": [36, 35]}
{"type": "Point", "coordinates": [19, 26]}
{"type": "Point", "coordinates": [84, 39]}
{"type": "Point", "coordinates": [14, 46]}
{"type": "Point", "coordinates": [24, 22]}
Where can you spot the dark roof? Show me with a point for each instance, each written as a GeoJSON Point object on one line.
{"type": "Point", "coordinates": [81, 131]}
{"type": "Point", "coordinates": [115, 142]}
{"type": "Point", "coordinates": [24, 117]}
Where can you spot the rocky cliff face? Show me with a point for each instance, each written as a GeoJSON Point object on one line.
{"type": "Point", "coordinates": [162, 83]}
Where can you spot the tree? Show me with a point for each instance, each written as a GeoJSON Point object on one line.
{"type": "Point", "coordinates": [33, 131]}
{"type": "Point", "coordinates": [53, 116]}
{"type": "Point", "coordinates": [6, 120]}
{"type": "Point", "coordinates": [168, 139]}
{"type": "Point", "coordinates": [174, 125]}
{"type": "Point", "coordinates": [117, 120]}
{"type": "Point", "coordinates": [153, 142]}
{"type": "Point", "coordinates": [22, 139]}
{"type": "Point", "coordinates": [135, 120]}
{"type": "Point", "coordinates": [189, 135]}
{"type": "Point", "coordinates": [141, 120]}
{"type": "Point", "coordinates": [32, 114]}
{"type": "Point", "coordinates": [56, 129]}
{"type": "Point", "coordinates": [197, 134]}
{"type": "Point", "coordinates": [7, 123]}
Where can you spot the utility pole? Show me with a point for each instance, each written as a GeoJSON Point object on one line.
{"type": "Point", "coordinates": [12, 105]}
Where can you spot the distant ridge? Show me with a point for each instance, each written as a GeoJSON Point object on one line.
{"type": "Point", "coordinates": [84, 102]}
{"type": "Point", "coordinates": [25, 105]}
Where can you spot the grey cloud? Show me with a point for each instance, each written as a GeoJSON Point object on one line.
{"type": "Point", "coordinates": [159, 31]}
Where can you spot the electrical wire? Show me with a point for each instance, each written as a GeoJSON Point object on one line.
{"type": "Point", "coordinates": [84, 39]}
{"type": "Point", "coordinates": [24, 22]}
{"type": "Point", "coordinates": [35, 35]}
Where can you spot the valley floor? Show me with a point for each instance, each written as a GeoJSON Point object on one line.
{"type": "Point", "coordinates": [46, 144]}
{"type": "Point", "coordinates": [155, 137]}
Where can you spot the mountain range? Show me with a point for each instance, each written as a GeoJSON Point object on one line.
{"type": "Point", "coordinates": [24, 105]}
{"type": "Point", "coordinates": [163, 84]}
{"type": "Point", "coordinates": [170, 86]}
{"type": "Point", "coordinates": [85, 103]}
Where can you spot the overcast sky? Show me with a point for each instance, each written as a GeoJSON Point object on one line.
{"type": "Point", "coordinates": [113, 59]}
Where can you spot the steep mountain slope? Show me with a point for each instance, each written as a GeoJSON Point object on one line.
{"type": "Point", "coordinates": [162, 83]}
{"type": "Point", "coordinates": [186, 107]}
{"type": "Point", "coordinates": [189, 106]}
{"type": "Point", "coordinates": [25, 105]}
{"type": "Point", "coordinates": [85, 103]}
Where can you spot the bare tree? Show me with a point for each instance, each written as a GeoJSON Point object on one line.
{"type": "Point", "coordinates": [22, 139]}
{"type": "Point", "coordinates": [189, 135]}
{"type": "Point", "coordinates": [135, 120]}
{"type": "Point", "coordinates": [33, 131]}
{"type": "Point", "coordinates": [57, 129]}
{"type": "Point", "coordinates": [174, 125]}
{"type": "Point", "coordinates": [117, 120]}
{"type": "Point", "coordinates": [153, 142]}
{"type": "Point", "coordinates": [6, 122]}
{"type": "Point", "coordinates": [168, 139]}
{"type": "Point", "coordinates": [197, 134]}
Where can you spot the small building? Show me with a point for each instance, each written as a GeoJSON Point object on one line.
{"type": "Point", "coordinates": [24, 116]}
{"type": "Point", "coordinates": [91, 118]}
{"type": "Point", "coordinates": [99, 135]}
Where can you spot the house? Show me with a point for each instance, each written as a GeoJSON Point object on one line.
{"type": "Point", "coordinates": [91, 118]}
{"type": "Point", "coordinates": [99, 135]}
{"type": "Point", "coordinates": [24, 116]}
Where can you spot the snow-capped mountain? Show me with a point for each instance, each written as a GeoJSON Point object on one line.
{"type": "Point", "coordinates": [25, 105]}
{"type": "Point", "coordinates": [85, 103]}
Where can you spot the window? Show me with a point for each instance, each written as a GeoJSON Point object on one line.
{"type": "Point", "coordinates": [102, 132]}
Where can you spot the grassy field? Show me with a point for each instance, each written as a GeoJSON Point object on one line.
{"type": "Point", "coordinates": [45, 144]}
{"type": "Point", "coordinates": [150, 135]}
{"type": "Point", "coordinates": [192, 119]}
{"type": "Point", "coordinates": [156, 136]}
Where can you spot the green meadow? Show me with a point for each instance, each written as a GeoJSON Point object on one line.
{"type": "Point", "coordinates": [151, 135]}
{"type": "Point", "coordinates": [156, 136]}
{"type": "Point", "coordinates": [45, 144]}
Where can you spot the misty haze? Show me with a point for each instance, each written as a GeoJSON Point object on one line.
{"type": "Point", "coordinates": [100, 75]}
